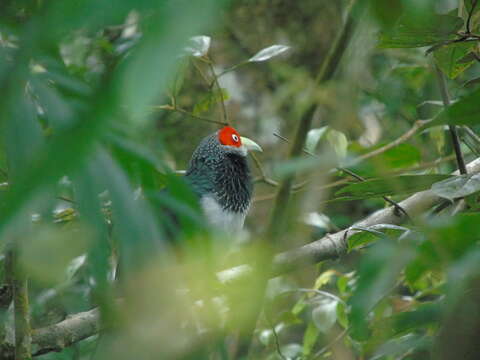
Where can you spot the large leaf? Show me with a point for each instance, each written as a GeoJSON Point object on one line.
{"type": "Point", "coordinates": [134, 225]}
{"type": "Point", "coordinates": [446, 241]}
{"type": "Point", "coordinates": [405, 184]}
{"type": "Point", "coordinates": [429, 31]}
{"type": "Point", "coordinates": [463, 112]}
{"type": "Point", "coordinates": [377, 273]}
{"type": "Point", "coordinates": [450, 58]}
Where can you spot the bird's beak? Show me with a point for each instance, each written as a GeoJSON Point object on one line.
{"type": "Point", "coordinates": [250, 145]}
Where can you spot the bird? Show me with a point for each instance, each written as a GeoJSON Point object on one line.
{"type": "Point", "coordinates": [219, 174]}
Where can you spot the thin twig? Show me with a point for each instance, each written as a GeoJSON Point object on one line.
{"type": "Point", "coordinates": [222, 102]}
{"type": "Point", "coordinates": [202, 75]}
{"type": "Point", "coordinates": [182, 111]}
{"type": "Point", "coordinates": [469, 18]}
{"type": "Point", "coordinates": [275, 336]}
{"type": "Point", "coordinates": [66, 199]}
{"type": "Point", "coordinates": [453, 129]}
{"type": "Point", "coordinates": [263, 177]}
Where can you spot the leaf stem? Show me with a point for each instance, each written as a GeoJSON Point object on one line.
{"type": "Point", "coordinates": [222, 101]}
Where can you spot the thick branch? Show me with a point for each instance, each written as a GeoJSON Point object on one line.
{"type": "Point", "coordinates": [65, 333]}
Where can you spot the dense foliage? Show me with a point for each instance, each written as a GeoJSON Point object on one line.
{"type": "Point", "coordinates": [358, 105]}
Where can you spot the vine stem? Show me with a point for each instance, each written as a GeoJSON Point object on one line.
{"type": "Point", "coordinates": [453, 129]}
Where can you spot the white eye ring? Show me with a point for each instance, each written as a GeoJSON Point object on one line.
{"type": "Point", "coordinates": [235, 137]}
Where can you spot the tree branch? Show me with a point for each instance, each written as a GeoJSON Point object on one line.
{"type": "Point", "coordinates": [67, 332]}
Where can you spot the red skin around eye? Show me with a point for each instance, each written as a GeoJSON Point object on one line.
{"type": "Point", "coordinates": [225, 137]}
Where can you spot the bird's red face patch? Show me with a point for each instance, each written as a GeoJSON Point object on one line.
{"type": "Point", "coordinates": [229, 136]}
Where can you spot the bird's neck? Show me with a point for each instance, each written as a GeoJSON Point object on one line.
{"type": "Point", "coordinates": [226, 179]}
{"type": "Point", "coordinates": [233, 183]}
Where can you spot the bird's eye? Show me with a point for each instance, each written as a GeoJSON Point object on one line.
{"type": "Point", "coordinates": [235, 137]}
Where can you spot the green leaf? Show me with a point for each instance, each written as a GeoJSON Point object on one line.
{"type": "Point", "coordinates": [342, 315]}
{"type": "Point", "coordinates": [424, 315]}
{"type": "Point", "coordinates": [134, 224]}
{"type": "Point", "coordinates": [446, 241]}
{"type": "Point", "coordinates": [400, 185]}
{"type": "Point", "coordinates": [138, 161]}
{"type": "Point", "coordinates": [428, 31]}
{"type": "Point", "coordinates": [387, 12]}
{"type": "Point", "coordinates": [402, 156]}
{"type": "Point", "coordinates": [463, 112]}
{"type": "Point", "coordinates": [310, 338]}
{"type": "Point", "coordinates": [452, 60]}
{"type": "Point", "coordinates": [377, 273]}
{"type": "Point", "coordinates": [368, 235]}
{"type": "Point", "coordinates": [213, 97]}
{"type": "Point", "coordinates": [457, 186]}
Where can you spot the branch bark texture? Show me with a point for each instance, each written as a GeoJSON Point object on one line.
{"type": "Point", "coordinates": [67, 332]}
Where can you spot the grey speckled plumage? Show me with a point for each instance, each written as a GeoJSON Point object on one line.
{"type": "Point", "coordinates": [222, 173]}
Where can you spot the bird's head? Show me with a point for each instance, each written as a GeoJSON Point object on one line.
{"type": "Point", "coordinates": [224, 142]}
{"type": "Point", "coordinates": [230, 140]}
